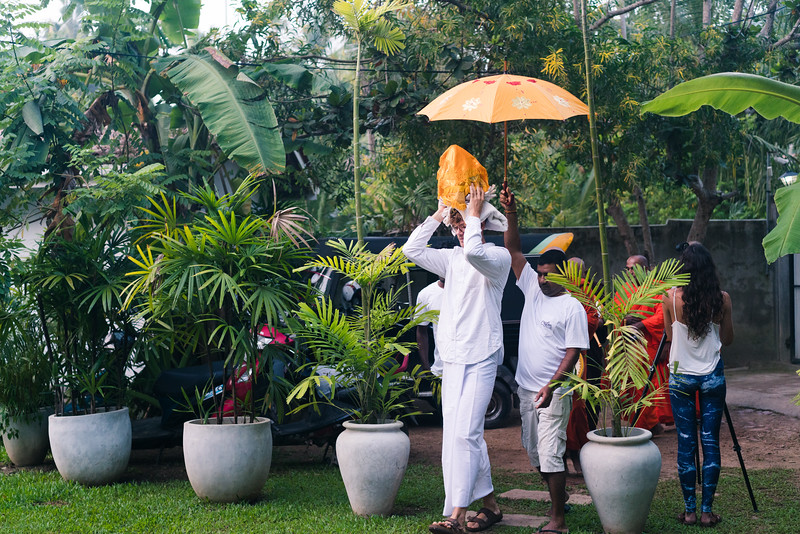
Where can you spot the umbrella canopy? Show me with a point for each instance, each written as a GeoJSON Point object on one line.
{"type": "Point", "coordinates": [504, 97]}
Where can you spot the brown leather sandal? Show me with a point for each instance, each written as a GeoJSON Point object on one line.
{"type": "Point", "coordinates": [447, 526]}
{"type": "Point", "coordinates": [483, 524]}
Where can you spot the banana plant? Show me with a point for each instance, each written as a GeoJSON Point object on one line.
{"type": "Point", "coordinates": [234, 108]}
{"type": "Point", "coordinates": [734, 92]}
{"type": "Point", "coordinates": [367, 23]}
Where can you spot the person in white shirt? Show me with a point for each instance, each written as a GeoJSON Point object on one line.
{"type": "Point", "coordinates": [553, 331]}
{"type": "Point", "coordinates": [470, 342]}
{"type": "Point", "coordinates": [430, 299]}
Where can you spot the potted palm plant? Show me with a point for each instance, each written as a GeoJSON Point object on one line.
{"type": "Point", "coordinates": [358, 353]}
{"type": "Point", "coordinates": [620, 463]}
{"type": "Point", "coordinates": [215, 282]}
{"type": "Point", "coordinates": [25, 383]}
{"type": "Point", "coordinates": [75, 279]}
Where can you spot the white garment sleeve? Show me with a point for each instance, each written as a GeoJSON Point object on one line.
{"type": "Point", "coordinates": [528, 281]}
{"type": "Point", "coordinates": [492, 262]}
{"type": "Point", "coordinates": [423, 304]}
{"type": "Point", "coordinates": [416, 249]}
{"type": "Point", "coordinates": [576, 328]}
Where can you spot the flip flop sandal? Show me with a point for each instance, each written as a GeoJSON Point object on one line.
{"type": "Point", "coordinates": [682, 519]}
{"type": "Point", "coordinates": [483, 524]}
{"type": "Point", "coordinates": [447, 526]}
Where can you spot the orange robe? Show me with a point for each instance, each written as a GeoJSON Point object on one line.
{"type": "Point", "coordinates": [653, 329]}
{"type": "Point", "coordinates": [578, 425]}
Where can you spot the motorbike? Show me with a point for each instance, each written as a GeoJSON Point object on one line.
{"type": "Point", "coordinates": [175, 390]}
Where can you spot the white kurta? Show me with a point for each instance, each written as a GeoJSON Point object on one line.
{"type": "Point", "coordinates": [470, 328]}
{"type": "Point", "coordinates": [471, 346]}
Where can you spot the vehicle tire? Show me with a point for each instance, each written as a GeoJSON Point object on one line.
{"type": "Point", "coordinates": [500, 405]}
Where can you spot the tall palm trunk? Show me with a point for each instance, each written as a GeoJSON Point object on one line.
{"type": "Point", "coordinates": [356, 176]}
{"type": "Point", "coordinates": [601, 217]}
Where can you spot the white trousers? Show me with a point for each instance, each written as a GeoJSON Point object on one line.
{"type": "Point", "coordinates": [466, 391]}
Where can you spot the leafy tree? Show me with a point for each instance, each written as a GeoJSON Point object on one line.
{"type": "Point", "coordinates": [367, 23]}
{"type": "Point", "coordinates": [99, 90]}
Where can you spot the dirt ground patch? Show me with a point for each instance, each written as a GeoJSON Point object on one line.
{"type": "Point", "coordinates": [767, 439]}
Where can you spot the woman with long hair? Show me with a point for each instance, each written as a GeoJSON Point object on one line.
{"type": "Point", "coordinates": [697, 321]}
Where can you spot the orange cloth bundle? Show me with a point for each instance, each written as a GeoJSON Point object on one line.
{"type": "Point", "coordinates": [457, 170]}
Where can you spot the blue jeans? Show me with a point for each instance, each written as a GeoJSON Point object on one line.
{"type": "Point", "coordinates": [682, 391]}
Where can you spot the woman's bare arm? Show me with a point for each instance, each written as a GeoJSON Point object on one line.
{"type": "Point", "coordinates": [666, 307]}
{"type": "Point", "coordinates": [726, 323]}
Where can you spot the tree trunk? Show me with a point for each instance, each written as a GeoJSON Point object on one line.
{"type": "Point", "coordinates": [576, 11]}
{"type": "Point", "coordinates": [705, 189]}
{"type": "Point", "coordinates": [769, 20]}
{"type": "Point", "coordinates": [614, 209]}
{"type": "Point", "coordinates": [706, 13]}
{"type": "Point", "coordinates": [644, 221]}
{"type": "Point", "coordinates": [672, 19]}
{"type": "Point", "coordinates": [623, 26]}
{"type": "Point", "coordinates": [737, 11]}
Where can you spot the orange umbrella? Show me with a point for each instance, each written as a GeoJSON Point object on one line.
{"type": "Point", "coordinates": [503, 98]}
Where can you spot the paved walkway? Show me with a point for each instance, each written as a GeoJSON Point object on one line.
{"type": "Point", "coordinates": [771, 388]}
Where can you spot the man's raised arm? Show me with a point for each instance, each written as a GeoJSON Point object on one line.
{"type": "Point", "coordinates": [511, 236]}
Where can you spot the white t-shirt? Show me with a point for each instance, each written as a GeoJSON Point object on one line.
{"type": "Point", "coordinates": [430, 299]}
{"type": "Point", "coordinates": [548, 327]}
{"type": "Point", "coordinates": [470, 329]}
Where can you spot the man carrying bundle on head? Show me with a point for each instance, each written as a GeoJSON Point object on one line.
{"type": "Point", "coordinates": [469, 335]}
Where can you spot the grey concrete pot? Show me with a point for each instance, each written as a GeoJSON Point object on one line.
{"type": "Point", "coordinates": [621, 474]}
{"type": "Point", "coordinates": [227, 462]}
{"type": "Point", "coordinates": [372, 462]}
{"type": "Point", "coordinates": [30, 445]}
{"type": "Point", "coordinates": [91, 449]}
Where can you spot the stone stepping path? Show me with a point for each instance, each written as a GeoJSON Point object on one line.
{"type": "Point", "coordinates": [518, 520]}
{"type": "Point", "coordinates": [532, 521]}
{"type": "Point", "coordinates": [533, 495]}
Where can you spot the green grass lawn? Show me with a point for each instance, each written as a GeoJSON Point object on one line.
{"type": "Point", "coordinates": [309, 498]}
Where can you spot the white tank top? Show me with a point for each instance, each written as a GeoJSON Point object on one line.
{"type": "Point", "coordinates": [694, 356]}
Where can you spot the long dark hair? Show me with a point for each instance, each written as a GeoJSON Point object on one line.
{"type": "Point", "coordinates": [702, 298]}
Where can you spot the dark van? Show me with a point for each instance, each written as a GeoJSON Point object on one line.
{"type": "Point", "coordinates": [504, 394]}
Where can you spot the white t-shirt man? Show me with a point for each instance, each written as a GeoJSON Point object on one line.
{"type": "Point", "coordinates": [430, 299]}
{"type": "Point", "coordinates": [549, 325]}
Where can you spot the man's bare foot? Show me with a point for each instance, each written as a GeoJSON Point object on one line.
{"type": "Point", "coordinates": [576, 467]}
{"type": "Point", "coordinates": [552, 527]}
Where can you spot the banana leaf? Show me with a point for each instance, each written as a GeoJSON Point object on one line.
{"type": "Point", "coordinates": [733, 93]}
{"type": "Point", "coordinates": [785, 237]}
{"type": "Point", "coordinates": [178, 17]}
{"type": "Point", "coordinates": [234, 108]}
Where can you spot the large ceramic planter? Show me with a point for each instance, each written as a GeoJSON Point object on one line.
{"type": "Point", "coordinates": [372, 461]}
{"type": "Point", "coordinates": [91, 449]}
{"type": "Point", "coordinates": [621, 475]}
{"type": "Point", "coordinates": [227, 462]}
{"type": "Point", "coordinates": [30, 444]}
